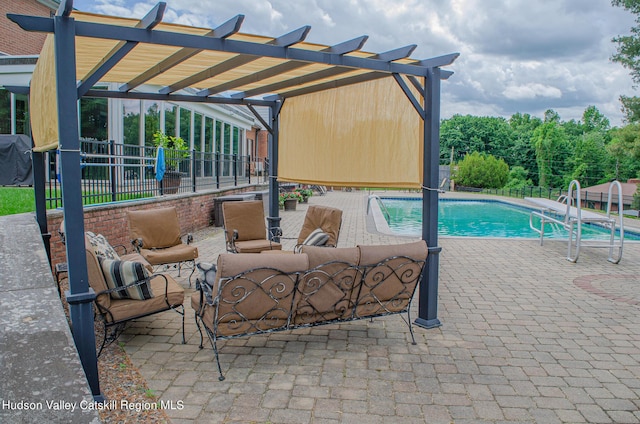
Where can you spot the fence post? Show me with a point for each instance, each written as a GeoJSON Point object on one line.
{"type": "Point", "coordinates": [217, 167]}
{"type": "Point", "coordinates": [248, 168]}
{"type": "Point", "coordinates": [235, 169]}
{"type": "Point", "coordinates": [602, 199]}
{"type": "Point", "coordinates": [193, 170]}
{"type": "Point", "coordinates": [112, 170]}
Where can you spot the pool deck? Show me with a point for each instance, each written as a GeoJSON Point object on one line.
{"type": "Point", "coordinates": [526, 337]}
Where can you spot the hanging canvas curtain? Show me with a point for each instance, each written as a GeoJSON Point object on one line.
{"type": "Point", "coordinates": [362, 135]}
{"type": "Point", "coordinates": [43, 100]}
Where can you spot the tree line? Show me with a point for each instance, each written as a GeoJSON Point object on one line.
{"type": "Point", "coordinates": [524, 150]}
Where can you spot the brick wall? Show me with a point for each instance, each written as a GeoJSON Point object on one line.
{"type": "Point", "coordinates": [195, 212]}
{"type": "Point", "coordinates": [263, 143]}
{"type": "Point", "coordinates": [13, 39]}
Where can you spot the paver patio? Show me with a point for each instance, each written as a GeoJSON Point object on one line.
{"type": "Point", "coordinates": [527, 337]}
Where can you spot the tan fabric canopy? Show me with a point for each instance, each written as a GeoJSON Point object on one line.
{"type": "Point", "coordinates": [364, 132]}
{"type": "Point", "coordinates": [363, 135]}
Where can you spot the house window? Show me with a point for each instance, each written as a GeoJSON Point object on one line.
{"type": "Point", "coordinates": [5, 112]}
{"type": "Point", "coordinates": [94, 114]}
{"type": "Point", "coordinates": [14, 113]}
{"type": "Point", "coordinates": [151, 121]}
{"type": "Point", "coordinates": [185, 125]}
{"type": "Point", "coordinates": [22, 114]}
{"type": "Point", "coordinates": [197, 143]}
{"type": "Point", "coordinates": [208, 146]}
{"type": "Point", "coordinates": [226, 149]}
{"type": "Point", "coordinates": [170, 112]}
{"type": "Point", "coordinates": [131, 122]}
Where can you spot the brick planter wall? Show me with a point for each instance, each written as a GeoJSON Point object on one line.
{"type": "Point", "coordinates": [195, 212]}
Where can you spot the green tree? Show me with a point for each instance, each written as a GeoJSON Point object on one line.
{"type": "Point", "coordinates": [518, 178]}
{"type": "Point", "coordinates": [482, 171]}
{"type": "Point", "coordinates": [628, 49]}
{"type": "Point", "coordinates": [551, 115]}
{"type": "Point", "coordinates": [594, 120]}
{"type": "Point", "coordinates": [552, 152]}
{"type": "Point", "coordinates": [624, 148]}
{"type": "Point", "coordinates": [467, 134]}
{"type": "Point", "coordinates": [522, 151]}
{"type": "Point", "coordinates": [590, 159]}
{"type": "Point", "coordinates": [630, 108]}
{"type": "Point", "coordinates": [628, 55]}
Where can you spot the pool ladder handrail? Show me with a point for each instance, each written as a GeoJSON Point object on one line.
{"type": "Point", "coordinates": [573, 220]}
{"type": "Point", "coordinates": [383, 208]}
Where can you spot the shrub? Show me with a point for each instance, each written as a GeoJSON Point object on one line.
{"type": "Point", "coordinates": [482, 171]}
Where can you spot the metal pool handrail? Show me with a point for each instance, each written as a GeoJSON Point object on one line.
{"type": "Point", "coordinates": [383, 208]}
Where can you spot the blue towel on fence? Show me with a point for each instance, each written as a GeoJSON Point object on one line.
{"type": "Point", "coordinates": [160, 165]}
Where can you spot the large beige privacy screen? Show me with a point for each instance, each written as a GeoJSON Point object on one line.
{"type": "Point", "coordinates": [43, 101]}
{"type": "Point", "coordinates": [363, 135]}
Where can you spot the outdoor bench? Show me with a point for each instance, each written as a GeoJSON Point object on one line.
{"type": "Point", "coordinates": [252, 293]}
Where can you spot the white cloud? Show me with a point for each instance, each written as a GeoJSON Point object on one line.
{"type": "Point", "coordinates": [531, 91]}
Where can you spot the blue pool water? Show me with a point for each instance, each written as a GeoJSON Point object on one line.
{"type": "Point", "coordinates": [477, 218]}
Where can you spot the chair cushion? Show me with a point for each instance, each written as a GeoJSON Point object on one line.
{"type": "Point", "coordinates": [158, 228]}
{"type": "Point", "coordinates": [247, 217]}
{"type": "Point", "coordinates": [125, 309]}
{"type": "Point", "coordinates": [101, 246]}
{"type": "Point", "coordinates": [123, 273]}
{"type": "Point", "coordinates": [179, 253]}
{"type": "Point", "coordinates": [325, 217]}
{"type": "Point", "coordinates": [256, 246]}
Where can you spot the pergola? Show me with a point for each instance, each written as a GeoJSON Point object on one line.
{"type": "Point", "coordinates": [338, 115]}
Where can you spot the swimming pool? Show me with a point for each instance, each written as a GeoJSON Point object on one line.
{"type": "Point", "coordinates": [477, 218]}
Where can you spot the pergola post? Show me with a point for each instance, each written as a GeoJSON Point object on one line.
{"type": "Point", "coordinates": [428, 295]}
{"type": "Point", "coordinates": [274, 208]}
{"type": "Point", "coordinates": [79, 296]}
{"type": "Point", "coordinates": [37, 161]}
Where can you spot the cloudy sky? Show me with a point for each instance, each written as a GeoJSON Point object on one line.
{"type": "Point", "coordinates": [515, 55]}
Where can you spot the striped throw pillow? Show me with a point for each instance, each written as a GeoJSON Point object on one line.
{"type": "Point", "coordinates": [316, 238]}
{"type": "Point", "coordinates": [123, 273]}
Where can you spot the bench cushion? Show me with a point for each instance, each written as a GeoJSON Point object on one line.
{"type": "Point", "coordinates": [259, 297]}
{"type": "Point", "coordinates": [390, 278]}
{"type": "Point", "coordinates": [325, 292]}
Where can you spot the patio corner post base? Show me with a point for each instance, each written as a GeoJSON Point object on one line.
{"type": "Point", "coordinates": [80, 305]}
{"type": "Point", "coordinates": [427, 323]}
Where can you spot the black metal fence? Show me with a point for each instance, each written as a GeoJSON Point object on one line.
{"type": "Point", "coordinates": [114, 172]}
{"type": "Point", "coordinates": [593, 200]}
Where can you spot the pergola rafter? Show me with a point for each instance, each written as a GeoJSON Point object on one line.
{"type": "Point", "coordinates": [225, 30]}
{"type": "Point", "coordinates": [148, 59]}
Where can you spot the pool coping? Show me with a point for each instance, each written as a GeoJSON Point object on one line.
{"type": "Point", "coordinates": [382, 227]}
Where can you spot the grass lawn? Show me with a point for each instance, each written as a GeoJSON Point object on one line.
{"type": "Point", "coordinates": [16, 200]}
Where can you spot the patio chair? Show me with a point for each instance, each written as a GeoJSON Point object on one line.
{"type": "Point", "coordinates": [321, 227]}
{"type": "Point", "coordinates": [125, 290]}
{"type": "Point", "coordinates": [155, 233]}
{"type": "Point", "coordinates": [245, 229]}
